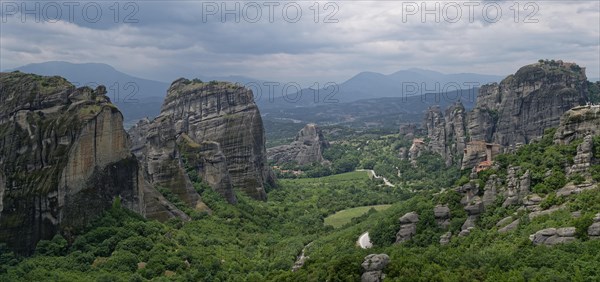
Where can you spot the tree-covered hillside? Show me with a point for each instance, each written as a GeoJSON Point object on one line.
{"type": "Point", "coordinates": [260, 241]}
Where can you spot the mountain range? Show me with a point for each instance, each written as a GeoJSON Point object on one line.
{"type": "Point", "coordinates": [138, 97]}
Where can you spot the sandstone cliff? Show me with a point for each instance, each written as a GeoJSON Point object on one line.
{"type": "Point", "coordinates": [216, 129]}
{"type": "Point", "coordinates": [307, 148]}
{"type": "Point", "coordinates": [64, 157]}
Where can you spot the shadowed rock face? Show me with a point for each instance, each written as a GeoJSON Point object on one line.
{"type": "Point", "coordinates": [223, 122]}
{"type": "Point", "coordinates": [515, 111]}
{"type": "Point", "coordinates": [446, 131]}
{"type": "Point", "coordinates": [64, 157]}
{"type": "Point", "coordinates": [524, 105]}
{"type": "Point", "coordinates": [307, 148]}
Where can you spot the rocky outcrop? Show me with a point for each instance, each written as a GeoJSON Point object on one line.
{"type": "Point", "coordinates": [491, 190]}
{"type": "Point", "coordinates": [532, 202]}
{"type": "Point", "coordinates": [216, 129]}
{"type": "Point", "coordinates": [513, 112]}
{"type": "Point", "coordinates": [521, 107]}
{"type": "Point", "coordinates": [473, 209]}
{"type": "Point", "coordinates": [64, 158]}
{"type": "Point", "coordinates": [445, 238]}
{"type": "Point", "coordinates": [578, 122]}
{"type": "Point", "coordinates": [435, 126]}
{"type": "Point", "coordinates": [553, 236]}
{"type": "Point", "coordinates": [456, 129]}
{"type": "Point", "coordinates": [442, 216]}
{"type": "Point", "coordinates": [373, 266]}
{"type": "Point", "coordinates": [156, 147]}
{"type": "Point", "coordinates": [307, 148]}
{"type": "Point", "coordinates": [517, 187]}
{"type": "Point", "coordinates": [594, 229]}
{"type": "Point", "coordinates": [416, 149]}
{"type": "Point", "coordinates": [583, 160]}
{"type": "Point", "coordinates": [446, 131]}
{"type": "Point", "coordinates": [408, 227]}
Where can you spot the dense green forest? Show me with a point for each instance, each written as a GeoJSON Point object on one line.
{"type": "Point", "coordinates": [259, 241]}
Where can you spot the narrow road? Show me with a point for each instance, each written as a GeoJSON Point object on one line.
{"type": "Point", "coordinates": [364, 241]}
{"type": "Point", "coordinates": [372, 173]}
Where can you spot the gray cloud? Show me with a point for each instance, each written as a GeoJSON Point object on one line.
{"type": "Point", "coordinates": [171, 39]}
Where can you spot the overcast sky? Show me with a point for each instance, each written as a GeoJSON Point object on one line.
{"type": "Point", "coordinates": [164, 40]}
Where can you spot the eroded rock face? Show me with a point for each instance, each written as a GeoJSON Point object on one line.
{"type": "Point", "coordinates": [473, 209]}
{"type": "Point", "coordinates": [577, 123]}
{"type": "Point", "coordinates": [373, 266]}
{"type": "Point", "coordinates": [446, 131]}
{"type": "Point", "coordinates": [554, 236]}
{"type": "Point", "coordinates": [408, 227]}
{"type": "Point", "coordinates": [521, 107]}
{"type": "Point", "coordinates": [583, 160]}
{"type": "Point", "coordinates": [209, 114]}
{"type": "Point", "coordinates": [307, 148]}
{"type": "Point", "coordinates": [64, 158]}
{"type": "Point", "coordinates": [490, 190]}
{"type": "Point", "coordinates": [157, 149]}
{"type": "Point", "coordinates": [442, 216]}
{"type": "Point", "coordinates": [513, 112]}
{"type": "Point", "coordinates": [517, 187]}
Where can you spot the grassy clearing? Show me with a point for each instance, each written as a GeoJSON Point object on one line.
{"type": "Point", "coordinates": [342, 217]}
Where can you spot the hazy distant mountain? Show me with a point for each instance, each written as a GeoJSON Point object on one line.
{"type": "Point", "coordinates": [370, 85]}
{"type": "Point", "coordinates": [95, 74]}
{"type": "Point", "coordinates": [135, 97]}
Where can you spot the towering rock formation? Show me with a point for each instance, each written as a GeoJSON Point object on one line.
{"type": "Point", "coordinates": [435, 126]}
{"type": "Point", "coordinates": [446, 132]}
{"type": "Point", "coordinates": [64, 158]}
{"type": "Point", "coordinates": [210, 130]}
{"type": "Point", "coordinates": [516, 111]}
{"type": "Point", "coordinates": [524, 105]}
{"type": "Point", "coordinates": [307, 148]}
